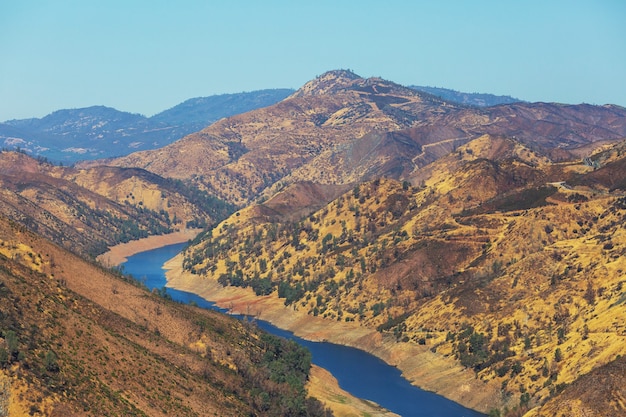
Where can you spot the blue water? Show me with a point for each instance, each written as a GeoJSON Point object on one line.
{"type": "Point", "coordinates": [359, 373]}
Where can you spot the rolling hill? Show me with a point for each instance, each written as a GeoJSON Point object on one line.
{"type": "Point", "coordinates": [77, 339]}
{"type": "Point", "coordinates": [88, 210]}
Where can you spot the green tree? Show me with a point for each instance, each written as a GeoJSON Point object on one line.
{"type": "Point", "coordinates": [558, 355]}
{"type": "Point", "coordinates": [524, 399]}
{"type": "Point", "coordinates": [10, 337]}
{"type": "Point", "coordinates": [4, 356]}
{"type": "Point", "coordinates": [51, 362]}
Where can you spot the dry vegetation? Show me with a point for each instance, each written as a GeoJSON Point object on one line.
{"type": "Point", "coordinates": [489, 262]}
{"type": "Point", "coordinates": [80, 340]}
{"type": "Point", "coordinates": [88, 210]}
{"type": "Point", "coordinates": [476, 236]}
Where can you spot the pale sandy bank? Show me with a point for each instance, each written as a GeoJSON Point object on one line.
{"type": "Point", "coordinates": [323, 386]}
{"type": "Point", "coordinates": [423, 368]}
{"type": "Point", "coordinates": [119, 253]}
{"type": "Point", "coordinates": [420, 366]}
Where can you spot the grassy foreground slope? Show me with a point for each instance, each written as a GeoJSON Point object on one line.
{"type": "Point", "coordinates": [78, 340]}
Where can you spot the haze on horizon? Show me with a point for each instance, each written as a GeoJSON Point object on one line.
{"type": "Point", "coordinates": [147, 56]}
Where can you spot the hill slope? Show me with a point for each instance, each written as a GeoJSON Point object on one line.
{"type": "Point", "coordinates": [491, 262]}
{"type": "Point", "coordinates": [78, 340]}
{"type": "Point", "coordinates": [88, 210]}
{"type": "Point", "coordinates": [340, 129]}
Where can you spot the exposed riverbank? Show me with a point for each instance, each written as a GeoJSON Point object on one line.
{"type": "Point", "coordinates": [322, 385]}
{"type": "Point", "coordinates": [418, 364]}
{"type": "Point", "coordinates": [119, 253]}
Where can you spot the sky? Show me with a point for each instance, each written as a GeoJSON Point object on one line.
{"type": "Point", "coordinates": [145, 56]}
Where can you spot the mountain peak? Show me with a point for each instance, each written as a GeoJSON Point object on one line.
{"type": "Point", "coordinates": [328, 82]}
{"type": "Point", "coordinates": [337, 81]}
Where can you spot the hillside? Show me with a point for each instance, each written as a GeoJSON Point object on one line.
{"type": "Point", "coordinates": [238, 157]}
{"type": "Point", "coordinates": [197, 113]}
{"type": "Point", "coordinates": [71, 135]}
{"type": "Point", "coordinates": [340, 129]}
{"type": "Point", "coordinates": [479, 249]}
{"type": "Point", "coordinates": [78, 340]}
{"type": "Point", "coordinates": [488, 256]}
{"type": "Point", "coordinates": [88, 210]}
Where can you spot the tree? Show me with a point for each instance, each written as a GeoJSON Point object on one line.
{"type": "Point", "coordinates": [51, 362]}
{"type": "Point", "coordinates": [10, 337]}
{"type": "Point", "coordinates": [590, 294]}
{"type": "Point", "coordinates": [4, 357]}
{"type": "Point", "coordinates": [524, 400]}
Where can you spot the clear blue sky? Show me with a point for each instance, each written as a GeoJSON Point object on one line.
{"type": "Point", "coordinates": [144, 56]}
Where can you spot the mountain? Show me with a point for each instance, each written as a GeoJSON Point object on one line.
{"type": "Point", "coordinates": [100, 132]}
{"type": "Point", "coordinates": [340, 129]}
{"type": "Point", "coordinates": [88, 210]}
{"type": "Point", "coordinates": [238, 157]}
{"type": "Point", "coordinates": [469, 99]}
{"type": "Point", "coordinates": [197, 113]}
{"type": "Point", "coordinates": [493, 261]}
{"type": "Point", "coordinates": [480, 242]}
{"type": "Point", "coordinates": [490, 236]}
{"type": "Point", "coordinates": [76, 339]}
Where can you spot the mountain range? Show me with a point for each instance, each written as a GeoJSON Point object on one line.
{"type": "Point", "coordinates": [340, 129]}
{"type": "Point", "coordinates": [100, 132]}
{"type": "Point", "coordinates": [96, 132]}
{"type": "Point", "coordinates": [473, 245]}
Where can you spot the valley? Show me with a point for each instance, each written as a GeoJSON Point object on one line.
{"type": "Point", "coordinates": [481, 250]}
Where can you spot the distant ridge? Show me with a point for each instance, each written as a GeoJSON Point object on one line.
{"type": "Point", "coordinates": [70, 135]}
{"type": "Point", "coordinates": [199, 112]}
{"type": "Point", "coordinates": [470, 99]}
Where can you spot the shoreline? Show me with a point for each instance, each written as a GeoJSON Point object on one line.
{"type": "Point", "coordinates": [321, 385]}
{"type": "Point", "coordinates": [421, 367]}
{"type": "Point", "coordinates": [119, 254]}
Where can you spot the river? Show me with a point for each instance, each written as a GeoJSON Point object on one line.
{"type": "Point", "coordinates": [357, 372]}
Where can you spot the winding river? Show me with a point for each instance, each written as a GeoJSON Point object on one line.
{"type": "Point", "coordinates": [359, 373]}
